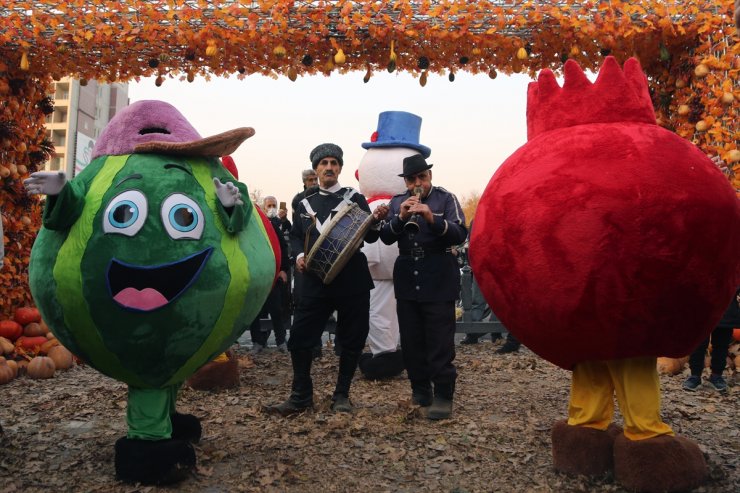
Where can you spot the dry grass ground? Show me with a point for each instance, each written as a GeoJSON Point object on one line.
{"type": "Point", "coordinates": [59, 433]}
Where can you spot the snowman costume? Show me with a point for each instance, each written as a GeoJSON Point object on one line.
{"type": "Point", "coordinates": [396, 138]}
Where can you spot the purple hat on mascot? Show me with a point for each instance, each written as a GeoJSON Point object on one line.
{"type": "Point", "coordinates": [398, 129]}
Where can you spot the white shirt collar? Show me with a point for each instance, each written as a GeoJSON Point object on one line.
{"type": "Point", "coordinates": [332, 189]}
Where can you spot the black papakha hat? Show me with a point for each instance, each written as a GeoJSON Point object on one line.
{"type": "Point", "coordinates": [414, 164]}
{"type": "Point", "coordinates": [326, 150]}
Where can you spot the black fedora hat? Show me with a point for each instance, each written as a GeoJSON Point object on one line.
{"type": "Point", "coordinates": [414, 164]}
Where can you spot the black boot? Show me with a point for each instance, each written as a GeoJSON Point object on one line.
{"type": "Point", "coordinates": [185, 427]}
{"type": "Point", "coordinates": [471, 338]}
{"type": "Point", "coordinates": [153, 461]}
{"type": "Point", "coordinates": [347, 365]}
{"type": "Point", "coordinates": [382, 366]}
{"type": "Point", "coordinates": [441, 407]}
{"type": "Point", "coordinates": [511, 345]}
{"type": "Point", "coordinates": [421, 393]}
{"type": "Point", "coordinates": [301, 395]}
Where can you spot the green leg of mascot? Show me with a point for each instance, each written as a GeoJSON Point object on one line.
{"type": "Point", "coordinates": [157, 449]}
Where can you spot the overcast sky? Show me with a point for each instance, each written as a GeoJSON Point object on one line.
{"type": "Point", "coordinates": [472, 124]}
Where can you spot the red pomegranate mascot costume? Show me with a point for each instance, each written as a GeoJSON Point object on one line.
{"type": "Point", "coordinates": [604, 242]}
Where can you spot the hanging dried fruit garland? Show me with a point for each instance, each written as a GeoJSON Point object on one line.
{"type": "Point", "coordinates": [688, 49]}
{"type": "Point", "coordinates": [23, 149]}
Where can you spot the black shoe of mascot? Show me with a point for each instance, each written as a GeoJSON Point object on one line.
{"type": "Point", "coordinates": [155, 462]}
{"type": "Point", "coordinates": [185, 427]}
{"type": "Point", "coordinates": [382, 366]}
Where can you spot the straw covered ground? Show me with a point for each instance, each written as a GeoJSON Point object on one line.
{"type": "Point", "coordinates": [59, 433]}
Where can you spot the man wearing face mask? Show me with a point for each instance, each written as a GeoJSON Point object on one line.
{"type": "Point", "coordinates": [279, 216]}
{"type": "Point", "coordinates": [273, 304]}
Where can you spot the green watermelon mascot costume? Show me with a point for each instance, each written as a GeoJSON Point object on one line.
{"type": "Point", "coordinates": [150, 263]}
{"type": "Point", "coordinates": [602, 243]}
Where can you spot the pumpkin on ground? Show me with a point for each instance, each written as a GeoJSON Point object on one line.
{"type": "Point", "coordinates": [61, 356]}
{"type": "Point", "coordinates": [14, 366]}
{"type": "Point", "coordinates": [671, 366]}
{"type": "Point", "coordinates": [41, 367]}
{"type": "Point", "coordinates": [6, 372]}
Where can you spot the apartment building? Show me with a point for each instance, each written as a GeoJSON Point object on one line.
{"type": "Point", "coordinates": [80, 114]}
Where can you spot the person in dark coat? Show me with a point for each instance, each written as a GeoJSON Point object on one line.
{"type": "Point", "coordinates": [310, 182]}
{"type": "Point", "coordinates": [348, 293]}
{"type": "Point", "coordinates": [720, 337]}
{"type": "Point", "coordinates": [273, 303]}
{"type": "Point", "coordinates": [426, 221]}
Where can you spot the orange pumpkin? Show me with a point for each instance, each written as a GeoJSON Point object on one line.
{"type": "Point", "coordinates": [671, 366]}
{"type": "Point", "coordinates": [41, 367]}
{"type": "Point", "coordinates": [736, 333]}
{"type": "Point", "coordinates": [26, 315]}
{"type": "Point", "coordinates": [10, 329]}
{"type": "Point", "coordinates": [30, 343]}
{"type": "Point", "coordinates": [14, 365]}
{"type": "Point", "coordinates": [61, 356]}
{"type": "Point", "coordinates": [50, 343]}
{"type": "Point", "coordinates": [34, 329]}
{"type": "Point", "coordinates": [6, 347]}
{"type": "Point", "coordinates": [6, 372]}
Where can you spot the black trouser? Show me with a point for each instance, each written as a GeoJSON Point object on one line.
{"type": "Point", "coordinates": [312, 314]}
{"type": "Point", "coordinates": [721, 337]}
{"type": "Point", "coordinates": [272, 306]}
{"type": "Point", "coordinates": [428, 342]}
{"type": "Point", "coordinates": [286, 300]}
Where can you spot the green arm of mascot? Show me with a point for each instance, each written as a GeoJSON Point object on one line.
{"type": "Point", "coordinates": [150, 263]}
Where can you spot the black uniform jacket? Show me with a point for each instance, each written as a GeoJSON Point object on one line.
{"type": "Point", "coordinates": [425, 270]}
{"type": "Point", "coordinates": [355, 276]}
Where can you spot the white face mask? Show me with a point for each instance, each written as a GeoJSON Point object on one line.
{"type": "Point", "coordinates": [271, 212]}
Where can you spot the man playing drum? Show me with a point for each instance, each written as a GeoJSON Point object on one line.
{"type": "Point", "coordinates": [348, 293]}
{"type": "Point", "coordinates": [426, 222]}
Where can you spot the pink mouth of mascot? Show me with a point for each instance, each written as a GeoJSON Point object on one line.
{"type": "Point", "coordinates": [148, 288]}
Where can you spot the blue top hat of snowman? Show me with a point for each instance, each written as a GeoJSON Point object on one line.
{"type": "Point", "coordinates": [398, 129]}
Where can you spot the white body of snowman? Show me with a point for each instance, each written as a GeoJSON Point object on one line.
{"type": "Point", "coordinates": [396, 138]}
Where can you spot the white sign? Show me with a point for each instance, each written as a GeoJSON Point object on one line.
{"type": "Point", "coordinates": [83, 152]}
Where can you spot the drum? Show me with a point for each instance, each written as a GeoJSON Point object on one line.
{"type": "Point", "coordinates": [340, 239]}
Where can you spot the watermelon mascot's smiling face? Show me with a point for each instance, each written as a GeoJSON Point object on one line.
{"type": "Point", "coordinates": [150, 277]}
{"type": "Point", "coordinates": [605, 236]}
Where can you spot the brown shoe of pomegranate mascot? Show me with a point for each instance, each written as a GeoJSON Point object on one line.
{"type": "Point", "coordinates": [156, 462]}
{"type": "Point", "coordinates": [581, 450]}
{"type": "Point", "coordinates": [664, 463]}
{"type": "Point", "coordinates": [219, 374]}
